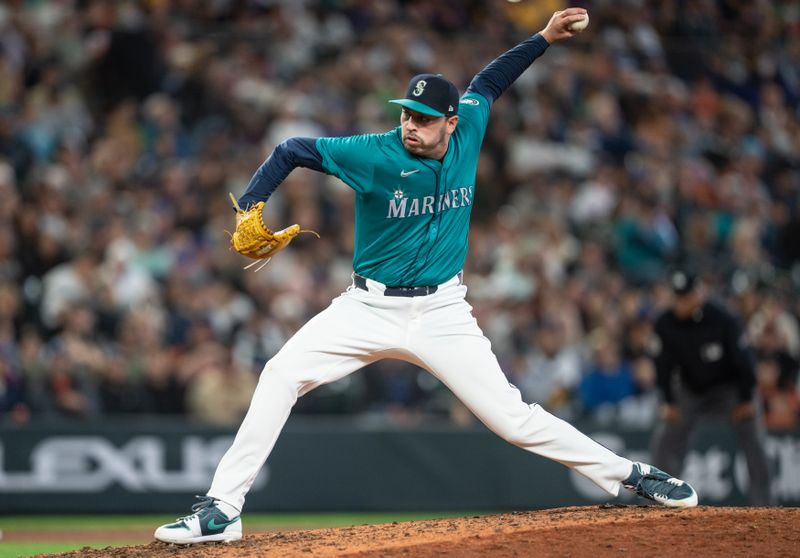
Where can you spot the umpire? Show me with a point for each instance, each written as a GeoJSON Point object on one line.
{"type": "Point", "coordinates": [705, 369]}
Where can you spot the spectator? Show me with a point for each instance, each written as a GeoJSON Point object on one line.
{"type": "Point", "coordinates": [641, 409]}
{"type": "Point", "coordinates": [771, 345]}
{"type": "Point", "coordinates": [550, 374]}
{"type": "Point", "coordinates": [645, 241]}
{"type": "Point", "coordinates": [217, 393]}
{"type": "Point", "coordinates": [165, 391]}
{"type": "Point", "coordinates": [608, 379]}
{"type": "Point", "coordinates": [12, 395]}
{"type": "Point", "coordinates": [776, 373]}
{"type": "Point", "coordinates": [393, 389]}
{"type": "Point", "coordinates": [781, 404]}
{"type": "Point", "coordinates": [775, 327]}
{"type": "Point", "coordinates": [69, 283]}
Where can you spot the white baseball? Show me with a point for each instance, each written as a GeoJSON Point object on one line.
{"type": "Point", "coordinates": [581, 24]}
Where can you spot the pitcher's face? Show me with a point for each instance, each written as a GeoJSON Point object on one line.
{"type": "Point", "coordinates": [425, 135]}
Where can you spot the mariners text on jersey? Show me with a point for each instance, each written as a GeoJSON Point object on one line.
{"type": "Point", "coordinates": [401, 206]}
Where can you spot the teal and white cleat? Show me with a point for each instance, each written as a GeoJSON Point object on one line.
{"type": "Point", "coordinates": [654, 484]}
{"type": "Point", "coordinates": [207, 524]}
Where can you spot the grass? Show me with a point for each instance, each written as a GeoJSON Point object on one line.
{"type": "Point", "coordinates": [17, 550]}
{"type": "Point", "coordinates": [252, 521]}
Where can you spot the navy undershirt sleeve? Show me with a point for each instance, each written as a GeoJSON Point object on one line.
{"type": "Point", "coordinates": [494, 79]}
{"type": "Point", "coordinates": [293, 153]}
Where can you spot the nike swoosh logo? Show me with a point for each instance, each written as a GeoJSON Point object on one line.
{"type": "Point", "coordinates": [214, 525]}
{"type": "Point", "coordinates": [403, 173]}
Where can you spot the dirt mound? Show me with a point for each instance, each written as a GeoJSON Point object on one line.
{"type": "Point", "coordinates": [587, 531]}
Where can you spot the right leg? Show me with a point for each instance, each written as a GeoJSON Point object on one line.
{"type": "Point", "coordinates": [347, 335]}
{"type": "Point", "coordinates": [336, 342]}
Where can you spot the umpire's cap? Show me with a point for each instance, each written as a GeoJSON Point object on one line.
{"type": "Point", "coordinates": [682, 281]}
{"type": "Point", "coordinates": [430, 94]}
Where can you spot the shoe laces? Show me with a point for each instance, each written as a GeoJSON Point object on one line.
{"type": "Point", "coordinates": [204, 503]}
{"type": "Point", "coordinates": [659, 489]}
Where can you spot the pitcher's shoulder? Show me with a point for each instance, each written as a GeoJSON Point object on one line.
{"type": "Point", "coordinates": [473, 109]}
{"type": "Point", "coordinates": [472, 100]}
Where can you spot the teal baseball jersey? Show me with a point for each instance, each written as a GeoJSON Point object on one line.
{"type": "Point", "coordinates": [411, 213]}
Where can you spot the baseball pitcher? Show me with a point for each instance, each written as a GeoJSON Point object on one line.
{"type": "Point", "coordinates": [414, 188]}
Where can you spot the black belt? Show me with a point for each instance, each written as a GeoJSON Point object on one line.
{"type": "Point", "coordinates": [361, 283]}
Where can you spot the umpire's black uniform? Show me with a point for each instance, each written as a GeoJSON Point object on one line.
{"type": "Point", "coordinates": [705, 367]}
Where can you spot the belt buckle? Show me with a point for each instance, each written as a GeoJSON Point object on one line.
{"type": "Point", "coordinates": [406, 291]}
{"type": "Point", "coordinates": [360, 282]}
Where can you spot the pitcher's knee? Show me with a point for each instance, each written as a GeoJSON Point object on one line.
{"type": "Point", "coordinates": [511, 431]}
{"type": "Point", "coordinates": [275, 377]}
{"type": "Point", "coordinates": [521, 429]}
{"type": "Point", "coordinates": [516, 437]}
{"type": "Point", "coordinates": [278, 376]}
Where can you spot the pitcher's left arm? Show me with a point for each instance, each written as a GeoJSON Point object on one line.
{"type": "Point", "coordinates": [498, 75]}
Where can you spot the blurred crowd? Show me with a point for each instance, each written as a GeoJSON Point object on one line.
{"type": "Point", "coordinates": [668, 132]}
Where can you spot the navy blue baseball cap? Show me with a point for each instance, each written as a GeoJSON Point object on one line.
{"type": "Point", "coordinates": [683, 281]}
{"type": "Point", "coordinates": [430, 94]}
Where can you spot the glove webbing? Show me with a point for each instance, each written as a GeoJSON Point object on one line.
{"type": "Point", "coordinates": [241, 211]}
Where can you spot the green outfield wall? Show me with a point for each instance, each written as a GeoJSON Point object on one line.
{"type": "Point", "coordinates": [334, 464]}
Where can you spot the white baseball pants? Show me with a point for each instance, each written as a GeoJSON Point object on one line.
{"type": "Point", "coordinates": [436, 332]}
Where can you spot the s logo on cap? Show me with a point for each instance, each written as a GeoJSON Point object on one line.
{"type": "Point", "coordinates": [419, 88]}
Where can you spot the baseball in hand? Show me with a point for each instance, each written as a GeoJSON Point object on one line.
{"type": "Point", "coordinates": [580, 25]}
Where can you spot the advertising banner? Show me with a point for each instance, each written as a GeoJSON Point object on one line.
{"type": "Point", "coordinates": [324, 465]}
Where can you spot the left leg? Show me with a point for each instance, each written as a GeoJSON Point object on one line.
{"type": "Point", "coordinates": [447, 341]}
{"type": "Point", "coordinates": [722, 403]}
{"type": "Point", "coordinates": [750, 435]}
{"type": "Point", "coordinates": [750, 440]}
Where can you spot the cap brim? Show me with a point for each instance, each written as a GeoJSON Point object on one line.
{"type": "Point", "coordinates": [417, 106]}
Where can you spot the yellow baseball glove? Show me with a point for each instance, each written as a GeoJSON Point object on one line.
{"type": "Point", "coordinates": [252, 238]}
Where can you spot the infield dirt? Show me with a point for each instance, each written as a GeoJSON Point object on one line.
{"type": "Point", "coordinates": [594, 532]}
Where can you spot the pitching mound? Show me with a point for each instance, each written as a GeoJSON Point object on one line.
{"type": "Point", "coordinates": [587, 531]}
